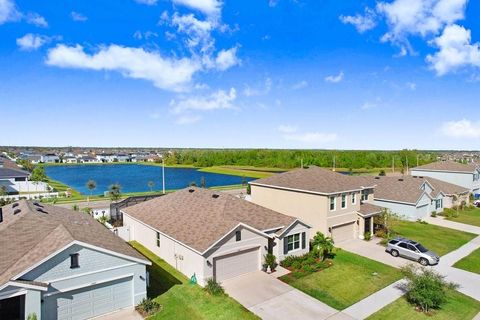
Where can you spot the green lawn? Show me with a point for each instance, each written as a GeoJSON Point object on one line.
{"type": "Point", "coordinates": [470, 263]}
{"type": "Point", "coordinates": [240, 171]}
{"type": "Point", "coordinates": [468, 216]}
{"type": "Point", "coordinates": [181, 300]}
{"type": "Point", "coordinates": [350, 279]}
{"type": "Point", "coordinates": [458, 307]}
{"type": "Point", "coordinates": [438, 239]}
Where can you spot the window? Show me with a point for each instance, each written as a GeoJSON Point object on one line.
{"type": "Point", "coordinates": [411, 248]}
{"type": "Point", "coordinates": [344, 201]}
{"type": "Point", "coordinates": [438, 203]}
{"type": "Point", "coordinates": [402, 245]}
{"type": "Point", "coordinates": [364, 195]}
{"type": "Point", "coordinates": [238, 235]}
{"type": "Point", "coordinates": [354, 198]}
{"type": "Point", "coordinates": [74, 261]}
{"type": "Point", "coordinates": [293, 242]}
{"type": "Point", "coordinates": [158, 239]}
{"type": "Point", "coordinates": [332, 203]}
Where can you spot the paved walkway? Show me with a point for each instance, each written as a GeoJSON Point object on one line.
{"type": "Point", "coordinates": [271, 299]}
{"type": "Point", "coordinates": [440, 221]}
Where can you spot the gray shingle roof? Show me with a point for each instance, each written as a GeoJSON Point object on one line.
{"type": "Point", "coordinates": [448, 166]}
{"type": "Point", "coordinates": [7, 173]}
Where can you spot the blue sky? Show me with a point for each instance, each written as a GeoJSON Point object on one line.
{"type": "Point", "coordinates": [330, 74]}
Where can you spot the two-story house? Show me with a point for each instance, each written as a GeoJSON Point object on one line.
{"type": "Point", "coordinates": [330, 202]}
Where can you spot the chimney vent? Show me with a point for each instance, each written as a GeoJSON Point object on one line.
{"type": "Point", "coordinates": [16, 211]}
{"type": "Point", "coordinates": [191, 190]}
{"type": "Point", "coordinates": [215, 196]}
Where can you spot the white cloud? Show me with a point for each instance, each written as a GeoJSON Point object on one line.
{"type": "Point", "coordinates": [198, 32]}
{"type": "Point", "coordinates": [455, 50]}
{"type": "Point", "coordinates": [371, 104]}
{"type": "Point", "coordinates": [227, 59]}
{"type": "Point", "coordinates": [36, 19]}
{"type": "Point", "coordinates": [363, 22]}
{"type": "Point", "coordinates": [77, 16]}
{"type": "Point", "coordinates": [137, 63]}
{"type": "Point", "coordinates": [461, 129]}
{"type": "Point", "coordinates": [147, 2]}
{"type": "Point", "coordinates": [252, 92]}
{"type": "Point", "coordinates": [300, 85]}
{"type": "Point", "coordinates": [411, 85]}
{"type": "Point", "coordinates": [217, 100]}
{"type": "Point", "coordinates": [8, 11]}
{"type": "Point", "coordinates": [335, 79]}
{"type": "Point", "coordinates": [287, 129]}
{"type": "Point", "coordinates": [144, 35]}
{"type": "Point", "coordinates": [208, 7]}
{"type": "Point", "coordinates": [32, 41]}
{"type": "Point", "coordinates": [311, 137]}
{"type": "Point", "coordinates": [184, 120]}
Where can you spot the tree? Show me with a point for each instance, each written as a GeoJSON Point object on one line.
{"type": "Point", "coordinates": [75, 207]}
{"type": "Point", "coordinates": [388, 220]}
{"type": "Point", "coordinates": [91, 185]}
{"type": "Point", "coordinates": [203, 182]}
{"type": "Point", "coordinates": [244, 180]}
{"type": "Point", "coordinates": [322, 246]}
{"type": "Point", "coordinates": [114, 192]}
{"type": "Point", "coordinates": [151, 184]}
{"type": "Point", "coordinates": [382, 173]}
{"type": "Point", "coordinates": [38, 175]}
{"type": "Point", "coordinates": [192, 184]}
{"type": "Point", "coordinates": [425, 288]}
{"type": "Point", "coordinates": [3, 191]}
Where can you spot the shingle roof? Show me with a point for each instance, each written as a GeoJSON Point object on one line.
{"type": "Point", "coordinates": [29, 236]}
{"type": "Point", "coordinates": [199, 217]}
{"type": "Point", "coordinates": [314, 179]}
{"type": "Point", "coordinates": [6, 173]}
{"type": "Point", "coordinates": [368, 208]}
{"type": "Point", "coordinates": [448, 166]}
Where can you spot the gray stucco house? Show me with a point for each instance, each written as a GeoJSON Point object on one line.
{"type": "Point", "coordinates": [61, 264]}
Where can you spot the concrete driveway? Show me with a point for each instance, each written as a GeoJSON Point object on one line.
{"type": "Point", "coordinates": [126, 314]}
{"type": "Point", "coordinates": [271, 299]}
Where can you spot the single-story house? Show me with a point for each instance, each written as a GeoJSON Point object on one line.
{"type": "Point", "coordinates": [50, 158]}
{"type": "Point", "coordinates": [70, 159]}
{"type": "Point", "coordinates": [465, 175]}
{"type": "Point", "coordinates": [208, 234]}
{"type": "Point", "coordinates": [414, 197]}
{"type": "Point", "coordinates": [331, 202]}
{"type": "Point", "coordinates": [13, 179]}
{"type": "Point", "coordinates": [57, 264]}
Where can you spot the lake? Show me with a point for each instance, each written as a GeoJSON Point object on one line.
{"type": "Point", "coordinates": [135, 177]}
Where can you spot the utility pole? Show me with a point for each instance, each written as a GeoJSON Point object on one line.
{"type": "Point", "coordinates": [333, 163]}
{"type": "Point", "coordinates": [417, 159]}
{"type": "Point", "coordinates": [301, 163]}
{"type": "Point", "coordinates": [163, 174]}
{"type": "Point", "coordinates": [406, 158]}
{"type": "Point", "coordinates": [393, 164]}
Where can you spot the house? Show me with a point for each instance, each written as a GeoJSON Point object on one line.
{"type": "Point", "coordinates": [60, 264]}
{"type": "Point", "coordinates": [49, 158]}
{"type": "Point", "coordinates": [88, 159]}
{"type": "Point", "coordinates": [69, 159]}
{"type": "Point", "coordinates": [14, 180]}
{"type": "Point", "coordinates": [414, 198]}
{"type": "Point", "coordinates": [465, 175]}
{"type": "Point", "coordinates": [207, 234]}
{"type": "Point", "coordinates": [330, 202]}
{"type": "Point", "coordinates": [107, 157]}
{"type": "Point", "coordinates": [122, 157]}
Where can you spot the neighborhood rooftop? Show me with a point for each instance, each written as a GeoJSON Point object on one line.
{"type": "Point", "coordinates": [199, 217]}
{"type": "Point", "coordinates": [450, 166]}
{"type": "Point", "coordinates": [6, 173]}
{"type": "Point", "coordinates": [30, 232]}
{"type": "Point", "coordinates": [314, 179]}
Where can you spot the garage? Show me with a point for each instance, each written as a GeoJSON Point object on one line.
{"type": "Point", "coordinates": [343, 232]}
{"type": "Point", "coordinates": [235, 264]}
{"type": "Point", "coordinates": [89, 302]}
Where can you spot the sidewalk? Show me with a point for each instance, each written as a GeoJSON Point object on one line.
{"type": "Point", "coordinates": [439, 221]}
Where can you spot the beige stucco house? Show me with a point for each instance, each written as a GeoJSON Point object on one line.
{"type": "Point", "coordinates": [211, 234]}
{"type": "Point", "coordinates": [330, 202]}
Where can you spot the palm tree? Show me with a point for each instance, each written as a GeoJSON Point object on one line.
{"type": "Point", "coordinates": [150, 185]}
{"type": "Point", "coordinates": [114, 191]}
{"type": "Point", "coordinates": [322, 246]}
{"type": "Point", "coordinates": [91, 185]}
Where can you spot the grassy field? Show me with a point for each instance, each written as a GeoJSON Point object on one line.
{"type": "Point", "coordinates": [181, 300]}
{"type": "Point", "coordinates": [438, 239]}
{"type": "Point", "coordinates": [470, 263]}
{"type": "Point", "coordinates": [468, 216]}
{"type": "Point", "coordinates": [458, 307]}
{"type": "Point", "coordinates": [242, 171]}
{"type": "Point", "coordinates": [350, 279]}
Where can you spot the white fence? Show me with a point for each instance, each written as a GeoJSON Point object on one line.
{"type": "Point", "coordinates": [30, 196]}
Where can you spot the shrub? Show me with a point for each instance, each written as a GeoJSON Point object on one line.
{"type": "Point", "coordinates": [433, 214]}
{"type": "Point", "coordinates": [367, 236]}
{"type": "Point", "coordinates": [308, 268]}
{"type": "Point", "coordinates": [425, 288]}
{"type": "Point", "coordinates": [32, 316]}
{"type": "Point", "coordinates": [271, 261]}
{"type": "Point", "coordinates": [380, 233]}
{"type": "Point", "coordinates": [287, 262]}
{"type": "Point", "coordinates": [214, 288]}
{"type": "Point", "coordinates": [296, 265]}
{"type": "Point", "coordinates": [147, 307]}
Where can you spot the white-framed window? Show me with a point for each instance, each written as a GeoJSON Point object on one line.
{"type": "Point", "coordinates": [158, 239]}
{"type": "Point", "coordinates": [332, 203]}
{"type": "Point", "coordinates": [354, 198]}
{"type": "Point", "coordinates": [344, 201]}
{"type": "Point", "coordinates": [364, 195]}
{"type": "Point", "coordinates": [293, 242]}
{"type": "Point", "coordinates": [438, 204]}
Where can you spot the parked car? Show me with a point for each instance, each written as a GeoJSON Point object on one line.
{"type": "Point", "coordinates": [476, 203]}
{"type": "Point", "coordinates": [412, 250]}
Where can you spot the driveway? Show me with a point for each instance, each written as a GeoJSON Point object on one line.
{"type": "Point", "coordinates": [271, 299]}
{"type": "Point", "coordinates": [126, 314]}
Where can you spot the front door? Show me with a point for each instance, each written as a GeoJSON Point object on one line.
{"type": "Point", "coordinates": [368, 222]}
{"type": "Point", "coordinates": [13, 308]}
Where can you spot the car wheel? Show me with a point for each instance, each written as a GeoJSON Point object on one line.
{"type": "Point", "coordinates": [423, 262]}
{"type": "Point", "coordinates": [394, 253]}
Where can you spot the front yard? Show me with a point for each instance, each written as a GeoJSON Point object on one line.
{"type": "Point", "coordinates": [438, 239]}
{"type": "Point", "coordinates": [458, 307]}
{"type": "Point", "coordinates": [350, 279]}
{"type": "Point", "coordinates": [470, 263]}
{"type": "Point", "coordinates": [181, 300]}
{"type": "Point", "coordinates": [467, 216]}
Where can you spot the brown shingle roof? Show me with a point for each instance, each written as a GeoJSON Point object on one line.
{"type": "Point", "coordinates": [314, 179]}
{"type": "Point", "coordinates": [448, 166]}
{"type": "Point", "coordinates": [367, 208]}
{"type": "Point", "coordinates": [29, 236]}
{"type": "Point", "coordinates": [199, 217]}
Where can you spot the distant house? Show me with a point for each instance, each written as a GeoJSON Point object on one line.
{"type": "Point", "coordinates": [70, 159]}
{"type": "Point", "coordinates": [88, 159]}
{"type": "Point", "coordinates": [49, 158]}
{"type": "Point", "coordinates": [12, 179]}
{"type": "Point", "coordinates": [465, 175]}
{"type": "Point", "coordinates": [121, 157]}
{"type": "Point", "coordinates": [328, 201]}
{"type": "Point", "coordinates": [209, 234]}
{"type": "Point", "coordinates": [414, 198]}
{"type": "Point", "coordinates": [60, 264]}
{"type": "Point", "coordinates": [106, 157]}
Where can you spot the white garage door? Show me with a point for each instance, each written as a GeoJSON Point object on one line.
{"type": "Point", "coordinates": [90, 302]}
{"type": "Point", "coordinates": [235, 264]}
{"type": "Point", "coordinates": [343, 232]}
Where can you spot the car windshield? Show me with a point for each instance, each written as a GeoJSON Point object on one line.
{"type": "Point", "coordinates": [421, 248]}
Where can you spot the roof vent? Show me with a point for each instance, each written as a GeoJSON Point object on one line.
{"type": "Point", "coordinates": [401, 179]}
{"type": "Point", "coordinates": [377, 177]}
{"type": "Point", "coordinates": [37, 204]}
{"type": "Point", "coordinates": [215, 196]}
{"type": "Point", "coordinates": [15, 205]}
{"type": "Point", "coordinates": [41, 210]}
{"type": "Point", "coordinates": [16, 211]}
{"type": "Point", "coordinates": [191, 190]}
